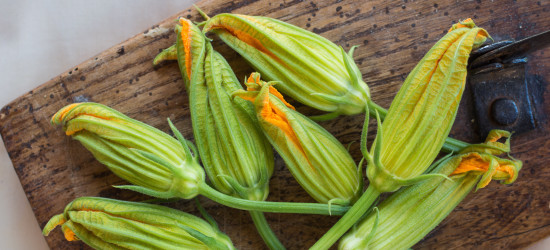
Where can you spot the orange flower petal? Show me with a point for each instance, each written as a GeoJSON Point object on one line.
{"type": "Point", "coordinates": [272, 90]}
{"type": "Point", "coordinates": [474, 162]}
{"type": "Point", "coordinates": [186, 39]}
{"type": "Point", "coordinates": [69, 234]}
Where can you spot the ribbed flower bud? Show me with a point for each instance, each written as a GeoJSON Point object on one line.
{"type": "Point", "coordinates": [308, 67]}
{"type": "Point", "coordinates": [111, 224]}
{"type": "Point", "coordinates": [320, 163]}
{"type": "Point", "coordinates": [423, 111]}
{"type": "Point", "coordinates": [236, 155]}
{"type": "Point", "coordinates": [157, 163]}
{"type": "Point", "coordinates": [234, 150]}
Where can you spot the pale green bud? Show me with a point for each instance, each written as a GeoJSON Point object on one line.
{"type": "Point", "coordinates": [319, 162]}
{"type": "Point", "coordinates": [158, 164]}
{"type": "Point", "coordinates": [308, 67]}
{"type": "Point", "coordinates": [236, 155]}
{"type": "Point", "coordinates": [112, 224]}
{"type": "Point", "coordinates": [423, 111]}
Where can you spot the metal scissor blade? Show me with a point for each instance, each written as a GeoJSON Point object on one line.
{"type": "Point", "coordinates": [514, 49]}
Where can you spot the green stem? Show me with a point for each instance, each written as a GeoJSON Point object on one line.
{"type": "Point", "coordinates": [451, 145]}
{"type": "Point", "coordinates": [271, 207]}
{"type": "Point", "coordinates": [265, 231]}
{"type": "Point", "coordinates": [375, 107]}
{"type": "Point", "coordinates": [454, 145]}
{"type": "Point", "coordinates": [346, 222]}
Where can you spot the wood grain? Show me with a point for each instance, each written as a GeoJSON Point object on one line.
{"type": "Point", "coordinates": [394, 35]}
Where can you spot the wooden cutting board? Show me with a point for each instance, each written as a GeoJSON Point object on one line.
{"type": "Point", "coordinates": [394, 35]}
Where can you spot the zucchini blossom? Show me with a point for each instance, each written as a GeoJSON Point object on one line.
{"type": "Point", "coordinates": [317, 160]}
{"type": "Point", "coordinates": [235, 154]}
{"type": "Point", "coordinates": [423, 111]}
{"type": "Point", "coordinates": [308, 67]}
{"type": "Point", "coordinates": [112, 224]}
{"type": "Point", "coordinates": [410, 214]}
{"type": "Point", "coordinates": [158, 164]}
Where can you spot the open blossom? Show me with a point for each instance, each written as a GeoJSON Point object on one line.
{"type": "Point", "coordinates": [412, 212]}
{"type": "Point", "coordinates": [479, 159]}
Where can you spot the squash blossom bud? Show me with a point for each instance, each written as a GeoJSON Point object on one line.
{"type": "Point", "coordinates": [308, 67]}
{"type": "Point", "coordinates": [416, 125]}
{"type": "Point", "coordinates": [423, 111]}
{"type": "Point", "coordinates": [158, 164]}
{"type": "Point", "coordinates": [410, 214]}
{"type": "Point", "coordinates": [320, 163]}
{"type": "Point", "coordinates": [235, 154]}
{"type": "Point", "coordinates": [112, 224]}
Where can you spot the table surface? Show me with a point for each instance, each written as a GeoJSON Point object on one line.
{"type": "Point", "coordinates": [41, 40]}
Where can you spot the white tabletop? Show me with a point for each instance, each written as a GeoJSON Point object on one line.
{"type": "Point", "coordinates": [38, 41]}
{"type": "Point", "coordinates": [41, 39]}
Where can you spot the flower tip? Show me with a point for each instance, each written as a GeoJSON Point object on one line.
{"type": "Point", "coordinates": [513, 171]}
{"type": "Point", "coordinates": [85, 109]}
{"type": "Point", "coordinates": [53, 223]}
{"type": "Point", "coordinates": [253, 82]}
{"type": "Point", "coordinates": [59, 117]}
{"type": "Point", "coordinates": [184, 22]}
{"type": "Point", "coordinates": [467, 23]}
